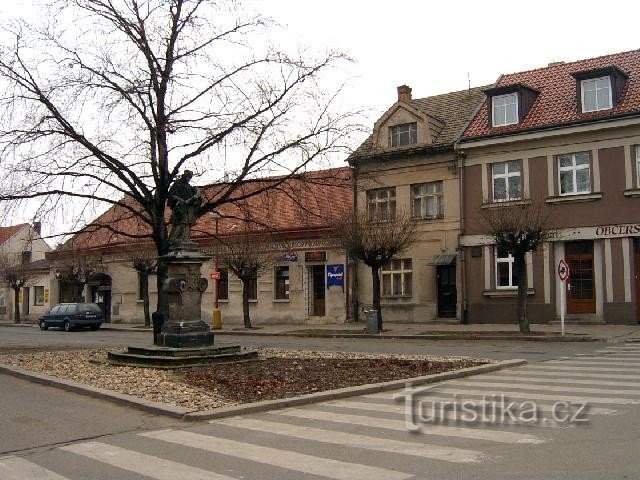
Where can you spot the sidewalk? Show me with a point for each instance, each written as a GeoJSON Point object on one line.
{"type": "Point", "coordinates": [432, 331]}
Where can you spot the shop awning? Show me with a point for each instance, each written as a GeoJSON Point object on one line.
{"type": "Point", "coordinates": [438, 260]}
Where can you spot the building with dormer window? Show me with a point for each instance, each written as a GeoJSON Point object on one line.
{"type": "Point", "coordinates": [566, 136]}
{"type": "Point", "coordinates": [409, 165]}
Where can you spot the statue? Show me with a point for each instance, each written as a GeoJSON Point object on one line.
{"type": "Point", "coordinates": [184, 201]}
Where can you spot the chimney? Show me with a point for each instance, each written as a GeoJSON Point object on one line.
{"type": "Point", "coordinates": [554, 64]}
{"type": "Point", "coordinates": [404, 93]}
{"type": "Point", "coordinates": [37, 227]}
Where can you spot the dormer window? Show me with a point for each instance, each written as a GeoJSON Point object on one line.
{"type": "Point", "coordinates": [505, 109]}
{"type": "Point", "coordinates": [404, 134]}
{"type": "Point", "coordinates": [596, 94]}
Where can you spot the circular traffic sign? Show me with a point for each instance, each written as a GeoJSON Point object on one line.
{"type": "Point", "coordinates": [563, 270]}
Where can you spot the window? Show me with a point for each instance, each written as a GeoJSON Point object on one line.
{"type": "Point", "coordinates": [427, 200]}
{"type": "Point", "coordinates": [38, 295]}
{"type": "Point", "coordinates": [381, 204]}
{"type": "Point", "coordinates": [405, 134]}
{"type": "Point", "coordinates": [282, 283]}
{"type": "Point", "coordinates": [223, 284]}
{"type": "Point", "coordinates": [507, 183]}
{"type": "Point", "coordinates": [504, 109]}
{"type": "Point", "coordinates": [596, 94]}
{"type": "Point", "coordinates": [252, 286]}
{"type": "Point", "coordinates": [575, 173]}
{"type": "Point", "coordinates": [506, 272]}
{"type": "Point", "coordinates": [396, 278]}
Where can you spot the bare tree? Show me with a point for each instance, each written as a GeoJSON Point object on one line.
{"type": "Point", "coordinates": [14, 269]}
{"type": "Point", "coordinates": [145, 262]}
{"type": "Point", "coordinates": [107, 103]}
{"type": "Point", "coordinates": [247, 255]}
{"type": "Point", "coordinates": [518, 230]}
{"type": "Point", "coordinates": [375, 242]}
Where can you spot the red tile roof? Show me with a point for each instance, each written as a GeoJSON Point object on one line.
{"type": "Point", "coordinates": [314, 200]}
{"type": "Point", "coordinates": [557, 102]}
{"type": "Point", "coordinates": [7, 232]}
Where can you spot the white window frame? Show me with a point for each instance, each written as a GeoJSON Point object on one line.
{"type": "Point", "coordinates": [377, 202]}
{"type": "Point", "coordinates": [287, 283]}
{"type": "Point", "coordinates": [35, 296]}
{"type": "Point", "coordinates": [509, 260]}
{"type": "Point", "coordinates": [423, 192]}
{"type": "Point", "coordinates": [396, 131]}
{"type": "Point", "coordinates": [406, 286]}
{"type": "Point", "coordinates": [574, 168]}
{"type": "Point", "coordinates": [503, 104]}
{"type": "Point", "coordinates": [584, 82]}
{"type": "Point", "coordinates": [506, 175]}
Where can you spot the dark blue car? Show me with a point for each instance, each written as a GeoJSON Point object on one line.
{"type": "Point", "coordinates": [73, 315]}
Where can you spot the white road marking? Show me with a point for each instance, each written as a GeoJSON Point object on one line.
{"type": "Point", "coordinates": [589, 362]}
{"type": "Point", "coordinates": [400, 425]}
{"type": "Point", "coordinates": [17, 468]}
{"type": "Point", "coordinates": [564, 374]}
{"type": "Point", "coordinates": [541, 396]}
{"type": "Point", "coordinates": [523, 385]}
{"type": "Point", "coordinates": [299, 462]}
{"type": "Point", "coordinates": [570, 368]}
{"type": "Point", "coordinates": [351, 440]}
{"type": "Point", "coordinates": [564, 380]}
{"type": "Point", "coordinates": [147, 465]}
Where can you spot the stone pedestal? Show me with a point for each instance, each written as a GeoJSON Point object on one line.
{"type": "Point", "coordinates": [184, 327]}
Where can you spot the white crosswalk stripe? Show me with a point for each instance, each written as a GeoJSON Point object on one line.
{"type": "Point", "coordinates": [546, 379]}
{"type": "Point", "coordinates": [401, 425]}
{"type": "Point", "coordinates": [17, 468]}
{"type": "Point", "coordinates": [148, 465]}
{"type": "Point", "coordinates": [449, 454]}
{"type": "Point", "coordinates": [303, 463]}
{"type": "Point", "coordinates": [547, 388]}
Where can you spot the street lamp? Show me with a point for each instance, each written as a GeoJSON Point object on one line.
{"type": "Point", "coordinates": [217, 317]}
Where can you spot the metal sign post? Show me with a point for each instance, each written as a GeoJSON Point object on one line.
{"type": "Point", "coordinates": [563, 275]}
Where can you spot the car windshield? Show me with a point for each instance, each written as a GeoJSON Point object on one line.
{"type": "Point", "coordinates": [89, 307]}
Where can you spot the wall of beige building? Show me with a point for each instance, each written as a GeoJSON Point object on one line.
{"type": "Point", "coordinates": [434, 237]}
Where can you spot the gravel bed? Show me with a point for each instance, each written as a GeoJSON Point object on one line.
{"type": "Point", "coordinates": [208, 389]}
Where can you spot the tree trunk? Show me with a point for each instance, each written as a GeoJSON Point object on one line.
{"type": "Point", "coordinates": [16, 305]}
{"type": "Point", "coordinates": [245, 303]}
{"type": "Point", "coordinates": [521, 311]}
{"type": "Point", "coordinates": [375, 274]}
{"type": "Point", "coordinates": [144, 293]}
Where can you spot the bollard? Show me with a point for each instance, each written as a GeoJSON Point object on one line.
{"type": "Point", "coordinates": [217, 319]}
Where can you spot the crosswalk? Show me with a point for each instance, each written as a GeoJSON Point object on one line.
{"type": "Point", "coordinates": [360, 438]}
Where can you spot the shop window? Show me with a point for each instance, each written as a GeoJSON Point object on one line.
{"type": "Point", "coordinates": [507, 181]}
{"type": "Point", "coordinates": [38, 295]}
{"type": "Point", "coordinates": [574, 171]}
{"type": "Point", "coordinates": [397, 276]}
{"type": "Point", "coordinates": [506, 270]}
{"type": "Point", "coordinates": [381, 204]}
{"type": "Point", "coordinates": [282, 283]}
{"type": "Point", "coordinates": [427, 200]}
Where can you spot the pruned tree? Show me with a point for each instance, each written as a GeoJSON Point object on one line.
{"type": "Point", "coordinates": [145, 262]}
{"type": "Point", "coordinates": [247, 255]}
{"type": "Point", "coordinates": [107, 102]}
{"type": "Point", "coordinates": [518, 230]}
{"type": "Point", "coordinates": [375, 241]}
{"type": "Point", "coordinates": [15, 271]}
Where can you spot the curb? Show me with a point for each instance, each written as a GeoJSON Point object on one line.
{"type": "Point", "coordinates": [264, 406]}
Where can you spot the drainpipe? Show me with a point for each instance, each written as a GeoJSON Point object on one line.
{"type": "Point", "coordinates": [461, 155]}
{"type": "Point", "coordinates": [354, 281]}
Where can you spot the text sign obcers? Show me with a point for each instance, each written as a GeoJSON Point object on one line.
{"type": "Point", "coordinates": [563, 270]}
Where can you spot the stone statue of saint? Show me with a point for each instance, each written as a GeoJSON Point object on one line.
{"type": "Point", "coordinates": [184, 201]}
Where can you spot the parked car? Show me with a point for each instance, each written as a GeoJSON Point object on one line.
{"type": "Point", "coordinates": [73, 315]}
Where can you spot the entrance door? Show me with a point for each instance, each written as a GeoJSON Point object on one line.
{"type": "Point", "coordinates": [636, 249]}
{"type": "Point", "coordinates": [25, 302]}
{"type": "Point", "coordinates": [581, 292]}
{"type": "Point", "coordinates": [318, 290]}
{"type": "Point", "coordinates": [447, 297]}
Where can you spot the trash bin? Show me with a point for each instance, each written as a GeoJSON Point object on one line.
{"type": "Point", "coordinates": [372, 320]}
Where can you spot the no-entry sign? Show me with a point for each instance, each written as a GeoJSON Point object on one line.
{"type": "Point", "coordinates": [563, 270]}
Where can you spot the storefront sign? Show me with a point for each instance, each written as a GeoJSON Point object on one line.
{"type": "Point", "coordinates": [290, 257]}
{"type": "Point", "coordinates": [335, 275]}
{"type": "Point", "coordinates": [315, 256]}
{"type": "Point", "coordinates": [618, 230]}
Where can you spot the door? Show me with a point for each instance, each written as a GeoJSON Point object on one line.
{"type": "Point", "coordinates": [318, 290]}
{"type": "Point", "coordinates": [447, 296]}
{"type": "Point", "coordinates": [25, 302]}
{"type": "Point", "coordinates": [581, 292]}
{"type": "Point", "coordinates": [636, 249]}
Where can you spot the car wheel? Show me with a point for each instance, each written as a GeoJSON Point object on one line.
{"type": "Point", "coordinates": [67, 326]}
{"type": "Point", "coordinates": [43, 325]}
{"type": "Point", "coordinates": [94, 327]}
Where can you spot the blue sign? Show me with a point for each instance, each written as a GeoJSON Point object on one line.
{"type": "Point", "coordinates": [290, 257]}
{"type": "Point", "coordinates": [335, 275]}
